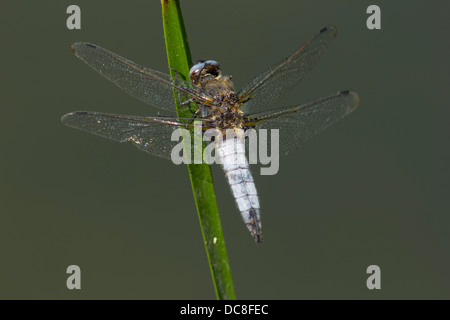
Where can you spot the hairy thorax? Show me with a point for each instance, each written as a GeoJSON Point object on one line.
{"type": "Point", "coordinates": [226, 110]}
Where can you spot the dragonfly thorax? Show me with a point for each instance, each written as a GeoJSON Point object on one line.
{"type": "Point", "coordinates": [224, 109]}
{"type": "Point", "coordinates": [226, 118]}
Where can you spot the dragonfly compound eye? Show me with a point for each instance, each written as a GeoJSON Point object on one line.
{"type": "Point", "coordinates": [194, 73]}
{"type": "Point", "coordinates": [204, 69]}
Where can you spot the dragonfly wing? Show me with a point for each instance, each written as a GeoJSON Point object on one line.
{"type": "Point", "coordinates": [264, 90]}
{"type": "Point", "coordinates": [300, 123]}
{"type": "Point", "coordinates": [150, 86]}
{"type": "Point", "coordinates": [149, 134]}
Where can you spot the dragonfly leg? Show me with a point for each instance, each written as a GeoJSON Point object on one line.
{"type": "Point", "coordinates": [184, 103]}
{"type": "Point", "coordinates": [176, 71]}
{"type": "Point", "coordinates": [176, 78]}
{"type": "Point", "coordinates": [195, 115]}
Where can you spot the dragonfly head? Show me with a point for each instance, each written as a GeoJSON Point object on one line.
{"type": "Point", "coordinates": [203, 70]}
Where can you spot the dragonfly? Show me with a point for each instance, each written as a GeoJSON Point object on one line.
{"type": "Point", "coordinates": [210, 97]}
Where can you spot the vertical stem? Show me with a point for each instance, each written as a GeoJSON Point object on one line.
{"type": "Point", "coordinates": [179, 58]}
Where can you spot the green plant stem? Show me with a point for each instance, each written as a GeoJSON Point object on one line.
{"type": "Point", "coordinates": [179, 58]}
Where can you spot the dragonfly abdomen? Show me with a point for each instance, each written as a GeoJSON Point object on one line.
{"type": "Point", "coordinates": [234, 163]}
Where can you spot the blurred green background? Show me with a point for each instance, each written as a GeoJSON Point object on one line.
{"type": "Point", "coordinates": [373, 189]}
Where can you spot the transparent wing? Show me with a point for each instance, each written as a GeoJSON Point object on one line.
{"type": "Point", "coordinates": [149, 134]}
{"type": "Point", "coordinates": [150, 86]}
{"type": "Point", "coordinates": [300, 123]}
{"type": "Point", "coordinates": [263, 90]}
